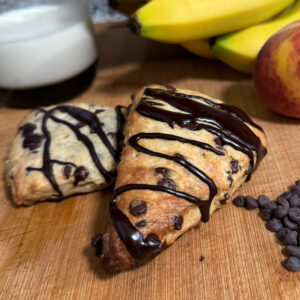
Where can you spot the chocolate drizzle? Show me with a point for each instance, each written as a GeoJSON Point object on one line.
{"type": "Point", "coordinates": [133, 141]}
{"type": "Point", "coordinates": [223, 120]}
{"type": "Point", "coordinates": [226, 122]}
{"type": "Point", "coordinates": [135, 242]}
{"type": "Point", "coordinates": [87, 118]}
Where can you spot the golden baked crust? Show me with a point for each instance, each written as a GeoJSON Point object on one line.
{"type": "Point", "coordinates": [147, 219]}
{"type": "Point", "coordinates": [59, 151]}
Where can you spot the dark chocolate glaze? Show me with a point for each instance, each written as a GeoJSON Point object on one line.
{"type": "Point", "coordinates": [233, 110]}
{"type": "Point", "coordinates": [226, 122]}
{"type": "Point", "coordinates": [83, 116]}
{"type": "Point", "coordinates": [223, 120]}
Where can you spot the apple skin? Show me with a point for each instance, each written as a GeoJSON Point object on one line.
{"type": "Point", "coordinates": [277, 71]}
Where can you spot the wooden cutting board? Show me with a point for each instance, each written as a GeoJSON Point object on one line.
{"type": "Point", "coordinates": [45, 249]}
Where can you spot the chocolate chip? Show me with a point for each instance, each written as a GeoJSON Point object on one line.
{"type": "Point", "coordinates": [263, 200]}
{"type": "Point", "coordinates": [97, 243]}
{"type": "Point", "coordinates": [32, 141]}
{"type": "Point", "coordinates": [177, 220]}
{"type": "Point", "coordinates": [250, 203]}
{"type": "Point", "coordinates": [294, 214]}
{"type": "Point", "coordinates": [80, 174]}
{"type": "Point", "coordinates": [112, 134]}
{"type": "Point", "coordinates": [97, 111]}
{"type": "Point", "coordinates": [267, 214]}
{"type": "Point", "coordinates": [296, 190]}
{"type": "Point", "coordinates": [180, 156]}
{"type": "Point", "coordinates": [137, 207]}
{"type": "Point", "coordinates": [141, 224]}
{"type": "Point", "coordinates": [28, 129]}
{"type": "Point", "coordinates": [234, 164]}
{"type": "Point", "coordinates": [167, 182]}
{"type": "Point", "coordinates": [274, 224]}
{"type": "Point", "coordinates": [162, 170]}
{"type": "Point", "coordinates": [239, 201]}
{"type": "Point", "coordinates": [285, 195]}
{"type": "Point", "coordinates": [201, 259]}
{"type": "Point", "coordinates": [295, 201]}
{"type": "Point", "coordinates": [289, 224]}
{"type": "Point", "coordinates": [291, 238]}
{"type": "Point", "coordinates": [297, 182]}
{"type": "Point", "coordinates": [152, 240]}
{"type": "Point", "coordinates": [292, 264]}
{"type": "Point", "coordinates": [281, 211]}
{"type": "Point", "coordinates": [229, 178]}
{"type": "Point", "coordinates": [225, 199]}
{"type": "Point", "coordinates": [218, 142]}
{"type": "Point", "coordinates": [283, 201]}
{"type": "Point", "coordinates": [293, 250]}
{"type": "Point", "coordinates": [67, 171]}
{"type": "Point", "coordinates": [281, 233]}
{"type": "Point", "coordinates": [80, 124]}
{"type": "Point", "coordinates": [271, 205]}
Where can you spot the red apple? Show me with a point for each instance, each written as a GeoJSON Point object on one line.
{"type": "Point", "coordinates": [277, 71]}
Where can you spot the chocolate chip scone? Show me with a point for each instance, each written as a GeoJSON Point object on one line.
{"type": "Point", "coordinates": [64, 150]}
{"type": "Point", "coordinates": [185, 155]}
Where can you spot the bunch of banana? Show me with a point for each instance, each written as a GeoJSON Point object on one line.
{"type": "Point", "coordinates": [232, 30]}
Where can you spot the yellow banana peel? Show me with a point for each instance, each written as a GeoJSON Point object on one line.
{"type": "Point", "coordinates": [240, 49]}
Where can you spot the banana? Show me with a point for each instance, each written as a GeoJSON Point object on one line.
{"type": "Point", "coordinates": [178, 21]}
{"type": "Point", "coordinates": [200, 47]}
{"type": "Point", "coordinates": [240, 49]}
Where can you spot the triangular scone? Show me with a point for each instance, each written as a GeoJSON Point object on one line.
{"type": "Point", "coordinates": [185, 155]}
{"type": "Point", "coordinates": [64, 150]}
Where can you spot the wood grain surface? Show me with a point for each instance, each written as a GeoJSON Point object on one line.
{"type": "Point", "coordinates": [45, 250]}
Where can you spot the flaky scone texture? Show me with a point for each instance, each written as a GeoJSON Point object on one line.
{"type": "Point", "coordinates": [58, 150]}
{"type": "Point", "coordinates": [162, 215]}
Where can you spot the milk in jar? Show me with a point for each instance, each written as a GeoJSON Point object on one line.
{"type": "Point", "coordinates": [44, 44]}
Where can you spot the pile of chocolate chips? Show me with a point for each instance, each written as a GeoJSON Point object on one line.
{"type": "Point", "coordinates": [283, 217]}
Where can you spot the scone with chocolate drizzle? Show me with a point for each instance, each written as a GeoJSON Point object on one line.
{"type": "Point", "coordinates": [64, 150]}
{"type": "Point", "coordinates": [185, 155]}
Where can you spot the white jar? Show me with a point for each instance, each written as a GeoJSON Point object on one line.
{"type": "Point", "coordinates": [44, 42]}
